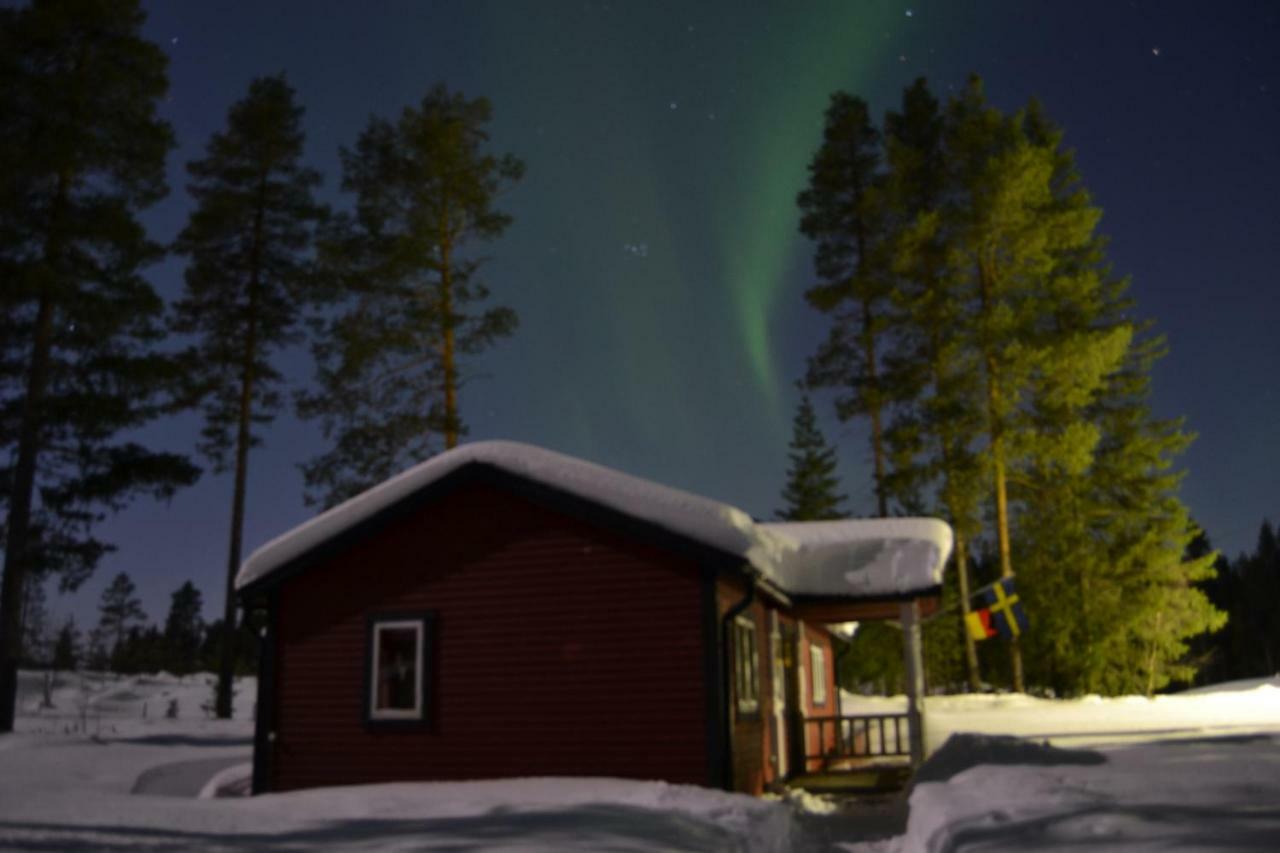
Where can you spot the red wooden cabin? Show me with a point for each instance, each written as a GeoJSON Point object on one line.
{"type": "Point", "coordinates": [501, 610]}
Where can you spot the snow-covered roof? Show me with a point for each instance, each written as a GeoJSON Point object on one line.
{"type": "Point", "coordinates": [860, 559]}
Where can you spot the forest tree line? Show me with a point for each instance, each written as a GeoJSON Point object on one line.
{"type": "Point", "coordinates": [388, 294]}
{"type": "Point", "coordinates": [998, 363]}
{"type": "Point", "coordinates": [125, 640]}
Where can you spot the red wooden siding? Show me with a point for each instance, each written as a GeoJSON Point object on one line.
{"type": "Point", "coordinates": [561, 648]}
{"type": "Point", "coordinates": [815, 636]}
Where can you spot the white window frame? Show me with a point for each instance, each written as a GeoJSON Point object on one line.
{"type": "Point", "coordinates": [746, 668]}
{"type": "Point", "coordinates": [419, 629]}
{"type": "Point", "coordinates": [818, 673]}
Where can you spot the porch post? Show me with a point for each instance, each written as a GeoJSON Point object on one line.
{"type": "Point", "coordinates": [913, 658]}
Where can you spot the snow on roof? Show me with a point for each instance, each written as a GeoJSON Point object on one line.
{"type": "Point", "coordinates": [865, 558]}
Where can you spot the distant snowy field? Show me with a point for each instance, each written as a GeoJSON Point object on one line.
{"type": "Point", "coordinates": [106, 769]}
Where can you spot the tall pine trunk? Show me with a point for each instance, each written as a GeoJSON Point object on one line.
{"type": "Point", "coordinates": [24, 475]}
{"type": "Point", "coordinates": [970, 647]}
{"type": "Point", "coordinates": [226, 656]}
{"type": "Point", "coordinates": [877, 431]}
{"type": "Point", "coordinates": [448, 361]}
{"type": "Point", "coordinates": [19, 522]}
{"type": "Point", "coordinates": [995, 425]}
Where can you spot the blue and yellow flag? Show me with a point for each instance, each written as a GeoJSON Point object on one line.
{"type": "Point", "coordinates": [1007, 615]}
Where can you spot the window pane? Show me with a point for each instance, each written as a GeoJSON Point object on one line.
{"type": "Point", "coordinates": [818, 673]}
{"type": "Point", "coordinates": [397, 669]}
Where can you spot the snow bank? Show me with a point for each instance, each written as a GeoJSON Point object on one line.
{"type": "Point", "coordinates": [1208, 794]}
{"type": "Point", "coordinates": [853, 558]}
{"type": "Point", "coordinates": [134, 782]}
{"type": "Point", "coordinates": [1240, 706]}
{"type": "Point", "coordinates": [1192, 770]}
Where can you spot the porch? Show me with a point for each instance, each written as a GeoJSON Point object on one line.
{"type": "Point", "coordinates": [854, 753]}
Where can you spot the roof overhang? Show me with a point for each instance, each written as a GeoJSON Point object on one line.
{"type": "Point", "coordinates": [868, 559]}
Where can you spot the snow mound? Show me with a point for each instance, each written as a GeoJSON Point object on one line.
{"type": "Point", "coordinates": [962, 751]}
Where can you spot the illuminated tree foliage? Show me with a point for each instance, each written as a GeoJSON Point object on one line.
{"type": "Point", "coordinates": [82, 152]}
{"type": "Point", "coordinates": [404, 269]}
{"type": "Point", "coordinates": [247, 285]}
{"type": "Point", "coordinates": [932, 441]}
{"type": "Point", "coordinates": [810, 491]}
{"type": "Point", "coordinates": [1019, 392]}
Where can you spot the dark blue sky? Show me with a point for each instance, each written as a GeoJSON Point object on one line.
{"type": "Point", "coordinates": [654, 258]}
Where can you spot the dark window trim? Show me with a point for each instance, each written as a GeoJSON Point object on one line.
{"type": "Point", "coordinates": [427, 619]}
{"type": "Point", "coordinates": [745, 624]}
{"type": "Point", "coordinates": [264, 724]}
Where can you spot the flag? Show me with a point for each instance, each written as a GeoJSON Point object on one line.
{"type": "Point", "coordinates": [978, 623]}
{"type": "Point", "coordinates": [1007, 614]}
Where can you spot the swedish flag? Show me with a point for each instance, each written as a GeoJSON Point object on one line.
{"type": "Point", "coordinates": [1007, 614]}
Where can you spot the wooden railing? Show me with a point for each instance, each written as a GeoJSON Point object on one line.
{"type": "Point", "coordinates": [832, 739]}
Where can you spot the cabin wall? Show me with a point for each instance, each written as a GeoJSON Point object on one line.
{"type": "Point", "coordinates": [819, 738]}
{"type": "Point", "coordinates": [560, 648]}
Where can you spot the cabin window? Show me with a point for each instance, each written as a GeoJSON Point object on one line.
{"type": "Point", "coordinates": [398, 653]}
{"type": "Point", "coordinates": [818, 673]}
{"type": "Point", "coordinates": [746, 665]}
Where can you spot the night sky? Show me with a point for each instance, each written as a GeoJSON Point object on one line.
{"type": "Point", "coordinates": [655, 261]}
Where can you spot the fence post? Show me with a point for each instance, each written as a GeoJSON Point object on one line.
{"type": "Point", "coordinates": [913, 657]}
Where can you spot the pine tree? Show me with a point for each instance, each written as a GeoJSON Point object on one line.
{"type": "Point", "coordinates": [97, 655]}
{"type": "Point", "coordinates": [1011, 359]}
{"type": "Point", "coordinates": [182, 630]}
{"type": "Point", "coordinates": [810, 492]}
{"type": "Point", "coordinates": [931, 439]}
{"type": "Point", "coordinates": [842, 214]}
{"type": "Point", "coordinates": [246, 286]}
{"type": "Point", "coordinates": [66, 649]}
{"type": "Point", "coordinates": [35, 622]}
{"type": "Point", "coordinates": [1259, 576]}
{"type": "Point", "coordinates": [83, 152]}
{"type": "Point", "coordinates": [405, 269]}
{"type": "Point", "coordinates": [118, 610]}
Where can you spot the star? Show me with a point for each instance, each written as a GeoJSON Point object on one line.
{"type": "Point", "coordinates": [1155, 51]}
{"type": "Point", "coordinates": [910, 13]}
{"type": "Point", "coordinates": [673, 105]}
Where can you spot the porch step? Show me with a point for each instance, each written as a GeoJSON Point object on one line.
{"type": "Point", "coordinates": [860, 780]}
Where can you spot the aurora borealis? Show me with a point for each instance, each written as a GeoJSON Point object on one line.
{"type": "Point", "coordinates": [654, 259]}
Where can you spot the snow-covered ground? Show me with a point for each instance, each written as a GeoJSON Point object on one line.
{"type": "Point", "coordinates": [106, 768]}
{"type": "Point", "coordinates": [1199, 770]}
{"type": "Point", "coordinates": [94, 773]}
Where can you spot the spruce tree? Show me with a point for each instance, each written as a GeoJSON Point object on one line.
{"type": "Point", "coordinates": [35, 619]}
{"type": "Point", "coordinates": [404, 268]}
{"type": "Point", "coordinates": [247, 285]}
{"type": "Point", "coordinates": [183, 628]}
{"type": "Point", "coordinates": [119, 609]}
{"type": "Point", "coordinates": [66, 648]}
{"type": "Point", "coordinates": [842, 214]}
{"type": "Point", "coordinates": [810, 491]}
{"type": "Point", "coordinates": [83, 152]}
